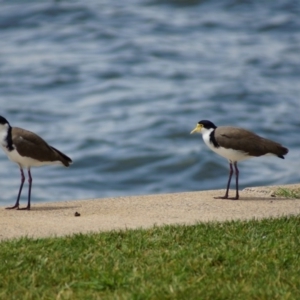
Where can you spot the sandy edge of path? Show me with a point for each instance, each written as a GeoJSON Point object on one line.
{"type": "Point", "coordinates": [58, 218]}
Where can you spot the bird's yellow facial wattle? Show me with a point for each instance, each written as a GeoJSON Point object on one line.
{"type": "Point", "coordinates": [198, 128]}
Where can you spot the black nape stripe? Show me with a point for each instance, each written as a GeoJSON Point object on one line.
{"type": "Point", "coordinates": [213, 140]}
{"type": "Point", "coordinates": [9, 145]}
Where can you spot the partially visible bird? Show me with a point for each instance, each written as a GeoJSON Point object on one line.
{"type": "Point", "coordinates": [28, 150]}
{"type": "Point", "coordinates": [236, 144]}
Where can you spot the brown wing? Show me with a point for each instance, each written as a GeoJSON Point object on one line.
{"type": "Point", "coordinates": [247, 141]}
{"type": "Point", "coordinates": [31, 145]}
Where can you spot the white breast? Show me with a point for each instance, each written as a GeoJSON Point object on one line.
{"type": "Point", "coordinates": [27, 162]}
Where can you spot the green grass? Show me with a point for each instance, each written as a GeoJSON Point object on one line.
{"type": "Point", "coordinates": [231, 260]}
{"type": "Point", "coordinates": [288, 193]}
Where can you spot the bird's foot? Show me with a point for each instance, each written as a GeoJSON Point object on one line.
{"type": "Point", "coordinates": [226, 197]}
{"type": "Point", "coordinates": [24, 208]}
{"type": "Point", "coordinates": [13, 207]}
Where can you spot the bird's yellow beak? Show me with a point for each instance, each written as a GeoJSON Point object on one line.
{"type": "Point", "coordinates": [197, 128]}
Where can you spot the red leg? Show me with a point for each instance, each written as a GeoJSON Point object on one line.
{"type": "Point", "coordinates": [29, 191]}
{"type": "Point", "coordinates": [228, 183]}
{"type": "Point", "coordinates": [20, 190]}
{"type": "Point", "coordinates": [236, 181]}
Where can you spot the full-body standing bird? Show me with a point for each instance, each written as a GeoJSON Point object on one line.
{"type": "Point", "coordinates": [236, 144]}
{"type": "Point", "coordinates": [28, 150]}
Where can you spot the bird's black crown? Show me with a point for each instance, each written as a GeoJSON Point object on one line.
{"type": "Point", "coordinates": [3, 121]}
{"type": "Point", "coordinates": [207, 124]}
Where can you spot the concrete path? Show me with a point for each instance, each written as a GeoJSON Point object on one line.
{"type": "Point", "coordinates": [58, 218]}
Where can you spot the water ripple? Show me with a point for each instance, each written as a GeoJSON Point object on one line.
{"type": "Point", "coordinates": [118, 87]}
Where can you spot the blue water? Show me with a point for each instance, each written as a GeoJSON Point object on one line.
{"type": "Point", "coordinates": [119, 85]}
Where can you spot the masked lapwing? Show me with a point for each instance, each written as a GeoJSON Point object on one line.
{"type": "Point", "coordinates": [236, 144]}
{"type": "Point", "coordinates": [28, 150]}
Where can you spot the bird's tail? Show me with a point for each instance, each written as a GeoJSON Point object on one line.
{"type": "Point", "coordinates": [281, 151]}
{"type": "Point", "coordinates": [63, 157]}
